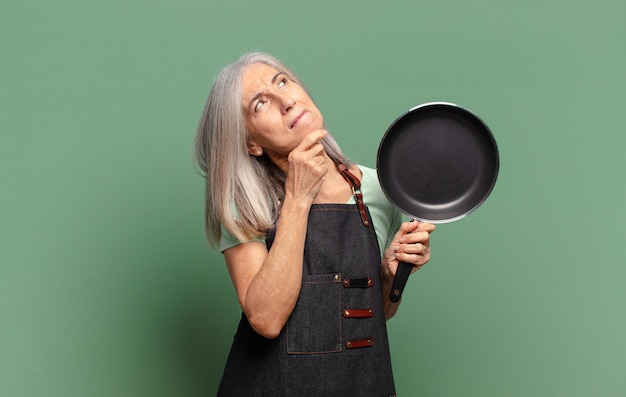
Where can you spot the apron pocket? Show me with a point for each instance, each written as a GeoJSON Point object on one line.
{"type": "Point", "coordinates": [315, 324]}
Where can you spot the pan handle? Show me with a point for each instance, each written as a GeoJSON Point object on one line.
{"type": "Point", "coordinates": [399, 281]}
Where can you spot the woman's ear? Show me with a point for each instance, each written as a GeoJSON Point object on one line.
{"type": "Point", "coordinates": [254, 149]}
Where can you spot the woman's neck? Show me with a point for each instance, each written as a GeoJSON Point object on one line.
{"type": "Point", "coordinates": [335, 189]}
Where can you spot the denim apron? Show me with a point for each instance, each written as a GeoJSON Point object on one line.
{"type": "Point", "coordinates": [335, 341]}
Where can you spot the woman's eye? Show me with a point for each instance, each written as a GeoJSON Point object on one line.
{"type": "Point", "coordinates": [259, 105]}
{"type": "Point", "coordinates": [282, 82]}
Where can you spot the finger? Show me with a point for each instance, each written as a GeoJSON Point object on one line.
{"type": "Point", "coordinates": [414, 259]}
{"type": "Point", "coordinates": [417, 248]}
{"type": "Point", "coordinates": [417, 226]}
{"type": "Point", "coordinates": [408, 227]}
{"type": "Point", "coordinates": [314, 138]}
{"type": "Point", "coordinates": [415, 237]}
{"type": "Point", "coordinates": [416, 268]}
{"type": "Point", "coordinates": [425, 227]}
{"type": "Point", "coordinates": [311, 147]}
{"type": "Point", "coordinates": [309, 151]}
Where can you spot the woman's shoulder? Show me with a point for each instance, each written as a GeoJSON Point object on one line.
{"type": "Point", "coordinates": [373, 194]}
{"type": "Point", "coordinates": [368, 172]}
{"type": "Point", "coordinates": [369, 180]}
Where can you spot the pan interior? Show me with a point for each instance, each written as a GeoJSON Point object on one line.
{"type": "Point", "coordinates": [437, 163]}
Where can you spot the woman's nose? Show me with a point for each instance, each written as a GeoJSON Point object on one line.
{"type": "Point", "coordinates": [286, 103]}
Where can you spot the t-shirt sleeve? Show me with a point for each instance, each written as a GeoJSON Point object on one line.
{"type": "Point", "coordinates": [394, 226]}
{"type": "Point", "coordinates": [228, 240]}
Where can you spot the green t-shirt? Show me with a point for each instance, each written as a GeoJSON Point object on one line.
{"type": "Point", "coordinates": [385, 217]}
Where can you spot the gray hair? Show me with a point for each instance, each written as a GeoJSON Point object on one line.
{"type": "Point", "coordinates": [243, 192]}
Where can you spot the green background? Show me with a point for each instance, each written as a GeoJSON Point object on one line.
{"type": "Point", "coordinates": [108, 288]}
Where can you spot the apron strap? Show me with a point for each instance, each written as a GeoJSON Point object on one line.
{"type": "Point", "coordinates": [355, 184]}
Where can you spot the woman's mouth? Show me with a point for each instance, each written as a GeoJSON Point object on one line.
{"type": "Point", "coordinates": [297, 119]}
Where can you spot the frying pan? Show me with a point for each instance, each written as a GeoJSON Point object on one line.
{"type": "Point", "coordinates": [436, 163]}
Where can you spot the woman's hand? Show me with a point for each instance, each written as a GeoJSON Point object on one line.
{"type": "Point", "coordinates": [307, 167]}
{"type": "Point", "coordinates": [411, 244]}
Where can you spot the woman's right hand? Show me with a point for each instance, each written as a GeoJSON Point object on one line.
{"type": "Point", "coordinates": [307, 167]}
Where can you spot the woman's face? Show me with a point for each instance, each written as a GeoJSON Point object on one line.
{"type": "Point", "coordinates": [278, 111]}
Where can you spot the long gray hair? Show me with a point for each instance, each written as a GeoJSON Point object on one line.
{"type": "Point", "coordinates": [243, 192]}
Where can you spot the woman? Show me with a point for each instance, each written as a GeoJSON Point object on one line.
{"type": "Point", "coordinates": [302, 230]}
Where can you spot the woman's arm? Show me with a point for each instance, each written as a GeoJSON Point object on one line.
{"type": "Point", "coordinates": [411, 245]}
{"type": "Point", "coordinates": [268, 282]}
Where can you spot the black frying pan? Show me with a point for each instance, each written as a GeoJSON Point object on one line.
{"type": "Point", "coordinates": [436, 163]}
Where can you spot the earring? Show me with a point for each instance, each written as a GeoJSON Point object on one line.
{"type": "Point", "coordinates": [257, 152]}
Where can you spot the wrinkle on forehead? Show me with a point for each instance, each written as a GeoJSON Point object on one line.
{"type": "Point", "coordinates": [259, 76]}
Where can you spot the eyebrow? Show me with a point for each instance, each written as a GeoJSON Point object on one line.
{"type": "Point", "coordinates": [260, 93]}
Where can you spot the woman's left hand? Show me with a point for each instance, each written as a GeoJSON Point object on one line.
{"type": "Point", "coordinates": [411, 244]}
